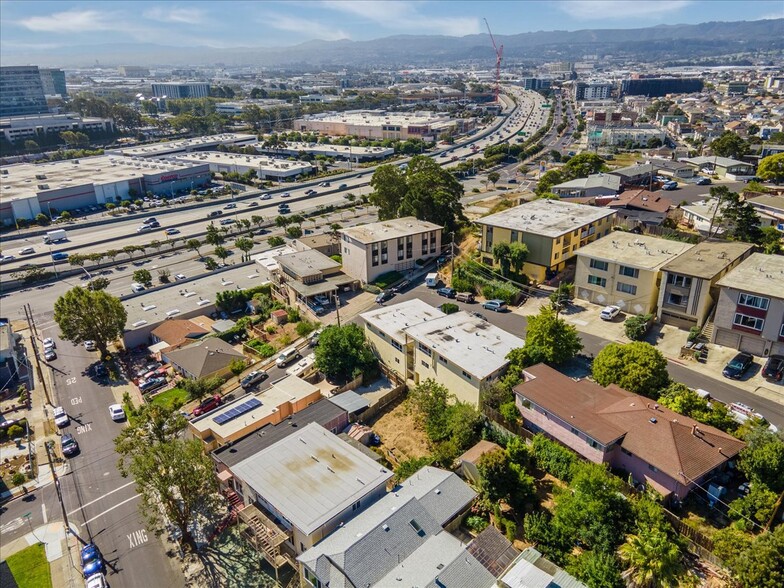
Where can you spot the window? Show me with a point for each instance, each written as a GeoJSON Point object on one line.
{"type": "Point", "coordinates": [384, 252]}
{"type": "Point", "coordinates": [653, 468]}
{"type": "Point", "coordinates": [432, 242]}
{"type": "Point", "coordinates": [355, 506]}
{"type": "Point", "coordinates": [750, 322]}
{"type": "Point", "coordinates": [489, 239]}
{"type": "Point", "coordinates": [597, 281]}
{"type": "Point", "coordinates": [417, 527]}
{"type": "Point", "coordinates": [600, 265]}
{"type": "Point", "coordinates": [626, 288]}
{"type": "Point", "coordinates": [677, 299]}
{"type": "Point", "coordinates": [557, 255]}
{"type": "Point", "coordinates": [409, 247]}
{"type": "Point", "coordinates": [425, 365]}
{"type": "Point", "coordinates": [513, 237]}
{"type": "Point", "coordinates": [400, 249]}
{"type": "Point", "coordinates": [374, 254]}
{"type": "Point", "coordinates": [676, 280]}
{"type": "Point", "coordinates": [753, 301]}
{"type": "Point", "coordinates": [397, 345]}
{"type": "Point", "coordinates": [443, 360]}
{"type": "Point", "coordinates": [575, 431]}
{"type": "Point", "coordinates": [629, 272]}
{"type": "Point", "coordinates": [424, 349]}
{"type": "Point", "coordinates": [594, 444]}
{"type": "Point", "coordinates": [466, 375]}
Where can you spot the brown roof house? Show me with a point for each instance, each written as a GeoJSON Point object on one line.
{"type": "Point", "coordinates": [468, 461]}
{"type": "Point", "coordinates": [658, 447]}
{"type": "Point", "coordinates": [175, 333]}
{"type": "Point", "coordinates": [210, 357]}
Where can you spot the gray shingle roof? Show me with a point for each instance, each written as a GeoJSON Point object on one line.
{"type": "Point", "coordinates": [442, 493]}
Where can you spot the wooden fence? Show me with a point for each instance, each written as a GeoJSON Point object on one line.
{"type": "Point", "coordinates": [508, 428]}
{"type": "Point", "coordinates": [373, 411]}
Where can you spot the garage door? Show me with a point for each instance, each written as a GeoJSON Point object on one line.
{"type": "Point", "coordinates": [672, 319]}
{"type": "Point", "coordinates": [727, 338]}
{"type": "Point", "coordinates": [753, 345]}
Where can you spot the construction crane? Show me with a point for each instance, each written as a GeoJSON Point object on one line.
{"type": "Point", "coordinates": [499, 54]}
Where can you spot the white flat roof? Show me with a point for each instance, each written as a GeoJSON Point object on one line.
{"type": "Point", "coordinates": [380, 117]}
{"type": "Point", "coordinates": [469, 342]}
{"type": "Point", "coordinates": [26, 179]}
{"type": "Point", "coordinates": [158, 149]}
{"type": "Point", "coordinates": [311, 476]}
{"type": "Point", "coordinates": [638, 251]}
{"type": "Point", "coordinates": [268, 259]}
{"type": "Point", "coordinates": [261, 162]}
{"type": "Point", "coordinates": [389, 229]}
{"type": "Point", "coordinates": [551, 218]}
{"type": "Point", "coordinates": [393, 320]}
{"type": "Point", "coordinates": [758, 273]}
{"type": "Point", "coordinates": [342, 150]}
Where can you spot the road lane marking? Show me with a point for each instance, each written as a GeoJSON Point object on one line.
{"type": "Point", "coordinates": [110, 509]}
{"type": "Point", "coordinates": [12, 525]}
{"type": "Point", "coordinates": [100, 498]}
{"type": "Point", "coordinates": [137, 538]}
{"type": "Point", "coordinates": [43, 511]}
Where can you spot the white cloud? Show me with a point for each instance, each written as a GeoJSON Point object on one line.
{"type": "Point", "coordinates": [176, 14]}
{"type": "Point", "coordinates": [612, 10]}
{"type": "Point", "coordinates": [72, 21]}
{"type": "Point", "coordinates": [401, 16]}
{"type": "Point", "coordinates": [303, 27]}
{"type": "Point", "coordinates": [771, 16]}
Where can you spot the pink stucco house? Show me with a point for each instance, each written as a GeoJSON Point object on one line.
{"type": "Point", "coordinates": [658, 447]}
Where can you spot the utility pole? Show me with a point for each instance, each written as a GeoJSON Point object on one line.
{"type": "Point", "coordinates": [337, 307]}
{"type": "Point", "coordinates": [48, 446]}
{"type": "Point", "coordinates": [452, 251]}
{"type": "Point", "coordinates": [33, 340]}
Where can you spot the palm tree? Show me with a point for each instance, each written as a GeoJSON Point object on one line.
{"type": "Point", "coordinates": [653, 560]}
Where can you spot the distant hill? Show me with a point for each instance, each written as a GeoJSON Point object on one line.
{"type": "Point", "coordinates": [660, 42]}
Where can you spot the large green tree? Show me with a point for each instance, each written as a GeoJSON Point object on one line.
{"type": "Point", "coordinates": [762, 460]}
{"type": "Point", "coordinates": [343, 353]}
{"type": "Point", "coordinates": [424, 190]}
{"type": "Point", "coordinates": [501, 479]}
{"type": "Point", "coordinates": [762, 565]}
{"type": "Point", "coordinates": [84, 315]}
{"type": "Point", "coordinates": [501, 252]}
{"type": "Point", "coordinates": [548, 339]}
{"type": "Point", "coordinates": [518, 253]}
{"type": "Point", "coordinates": [652, 560]}
{"type": "Point", "coordinates": [728, 144]}
{"type": "Point", "coordinates": [637, 367]}
{"type": "Point", "coordinates": [771, 168]}
{"type": "Point", "coordinates": [596, 570]}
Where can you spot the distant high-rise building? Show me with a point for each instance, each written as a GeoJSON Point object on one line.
{"type": "Point", "coordinates": [185, 90]}
{"type": "Point", "coordinates": [592, 90]}
{"type": "Point", "coordinates": [133, 71]}
{"type": "Point", "coordinates": [53, 82]}
{"type": "Point", "coordinates": [657, 87]}
{"type": "Point", "coordinates": [536, 84]}
{"type": "Point", "coordinates": [21, 91]}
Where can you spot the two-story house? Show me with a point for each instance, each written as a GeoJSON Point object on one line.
{"type": "Point", "coordinates": [689, 290]}
{"type": "Point", "coordinates": [659, 448]}
{"type": "Point", "coordinates": [750, 311]}
{"type": "Point", "coordinates": [303, 275]}
{"type": "Point", "coordinates": [624, 269]}
{"type": "Point", "coordinates": [551, 229]}
{"type": "Point", "coordinates": [374, 249]}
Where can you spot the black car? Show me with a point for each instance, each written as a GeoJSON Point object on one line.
{"type": "Point", "coordinates": [738, 366]}
{"type": "Point", "coordinates": [384, 296]}
{"type": "Point", "coordinates": [774, 368]}
{"type": "Point", "coordinates": [446, 292]}
{"type": "Point", "coordinates": [401, 287]}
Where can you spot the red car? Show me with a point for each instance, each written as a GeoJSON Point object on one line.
{"type": "Point", "coordinates": [211, 403]}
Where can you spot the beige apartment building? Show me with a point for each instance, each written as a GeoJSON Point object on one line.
{"type": "Point", "coordinates": [374, 249]}
{"type": "Point", "coordinates": [624, 269]}
{"type": "Point", "coordinates": [552, 230]}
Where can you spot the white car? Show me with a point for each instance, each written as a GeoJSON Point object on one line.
{"type": "Point", "coordinates": [49, 343]}
{"type": "Point", "coordinates": [116, 412]}
{"type": "Point", "coordinates": [609, 313]}
{"type": "Point", "coordinates": [137, 287]}
{"type": "Point", "coordinates": [96, 581]}
{"type": "Point", "coordinates": [180, 277]}
{"type": "Point", "coordinates": [89, 345]}
{"type": "Point", "coordinates": [266, 196]}
{"type": "Point", "coordinates": [4, 258]}
{"type": "Point", "coordinates": [26, 250]}
{"type": "Point", "coordinates": [60, 417]}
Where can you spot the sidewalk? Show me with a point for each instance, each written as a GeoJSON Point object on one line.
{"type": "Point", "coordinates": [62, 552]}
{"type": "Point", "coordinates": [667, 339]}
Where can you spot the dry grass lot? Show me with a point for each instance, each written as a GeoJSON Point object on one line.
{"type": "Point", "coordinates": [401, 437]}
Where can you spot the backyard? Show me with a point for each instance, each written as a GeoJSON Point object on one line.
{"type": "Point", "coordinates": [172, 398]}
{"type": "Point", "coordinates": [30, 568]}
{"type": "Point", "coordinates": [401, 437]}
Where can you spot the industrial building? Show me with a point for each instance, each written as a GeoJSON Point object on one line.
{"type": "Point", "coordinates": [265, 167]}
{"type": "Point", "coordinates": [21, 128]}
{"type": "Point", "coordinates": [181, 90]}
{"type": "Point", "coordinates": [207, 143]}
{"type": "Point", "coordinates": [27, 190]}
{"type": "Point", "coordinates": [347, 152]}
{"type": "Point", "coordinates": [379, 124]}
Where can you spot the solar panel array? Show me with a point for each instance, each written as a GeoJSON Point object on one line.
{"type": "Point", "coordinates": [238, 410]}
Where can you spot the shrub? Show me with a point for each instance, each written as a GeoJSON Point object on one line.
{"type": "Point", "coordinates": [285, 339]}
{"type": "Point", "coordinates": [553, 458]}
{"type": "Point", "coordinates": [264, 349]}
{"type": "Point", "coordinates": [635, 327]}
{"type": "Point", "coordinates": [15, 431]}
{"type": "Point", "coordinates": [305, 328]}
{"type": "Point", "coordinates": [271, 329]}
{"type": "Point", "coordinates": [511, 529]}
{"type": "Point", "coordinates": [292, 314]}
{"type": "Point", "coordinates": [694, 333]}
{"type": "Point", "coordinates": [449, 308]}
{"type": "Point", "coordinates": [476, 524]}
{"type": "Point", "coordinates": [18, 479]}
{"type": "Point", "coordinates": [384, 281]}
{"type": "Point", "coordinates": [509, 411]}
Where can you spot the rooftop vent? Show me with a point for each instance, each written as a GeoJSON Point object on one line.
{"type": "Point", "coordinates": [652, 420]}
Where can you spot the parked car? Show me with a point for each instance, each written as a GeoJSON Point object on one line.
{"type": "Point", "coordinates": [95, 566]}
{"type": "Point", "coordinates": [89, 345]}
{"type": "Point", "coordinates": [774, 368]}
{"type": "Point", "coordinates": [151, 384]}
{"type": "Point", "coordinates": [738, 366]}
{"type": "Point", "coordinates": [253, 378]}
{"type": "Point", "coordinates": [384, 296]}
{"type": "Point", "coordinates": [401, 287]}
{"type": "Point", "coordinates": [703, 181]}
{"type": "Point", "coordinates": [494, 305]}
{"type": "Point", "coordinates": [99, 370]}
{"type": "Point", "coordinates": [321, 299]}
{"type": "Point", "coordinates": [287, 357]}
{"type": "Point", "coordinates": [49, 343]}
{"type": "Point", "coordinates": [206, 406]}
{"type": "Point", "coordinates": [68, 445]}
{"type": "Point", "coordinates": [96, 581]}
{"type": "Point", "coordinates": [90, 552]}
{"type": "Point", "coordinates": [446, 292]}
{"type": "Point", "coordinates": [608, 313]}
{"type": "Point", "coordinates": [313, 340]}
{"type": "Point", "coordinates": [116, 412]}
{"type": "Point", "coordinates": [465, 297]}
{"type": "Point", "coordinates": [50, 355]}
{"type": "Point", "coordinates": [61, 418]}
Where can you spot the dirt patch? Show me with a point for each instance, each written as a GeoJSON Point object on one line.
{"type": "Point", "coordinates": [401, 437]}
{"type": "Point", "coordinates": [545, 485]}
{"type": "Point", "coordinates": [467, 247]}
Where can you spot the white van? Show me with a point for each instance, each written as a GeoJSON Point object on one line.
{"type": "Point", "coordinates": [431, 280]}
{"type": "Point", "coordinates": [137, 287]}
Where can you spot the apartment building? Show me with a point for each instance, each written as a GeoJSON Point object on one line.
{"type": "Point", "coordinates": [689, 290]}
{"type": "Point", "coordinates": [393, 245]}
{"type": "Point", "coordinates": [750, 311]}
{"type": "Point", "coordinates": [624, 269]}
{"type": "Point", "coordinates": [551, 229]}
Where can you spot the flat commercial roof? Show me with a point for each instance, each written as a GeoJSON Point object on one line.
{"type": "Point", "coordinates": [759, 273]}
{"type": "Point", "coordinates": [338, 150]}
{"type": "Point", "coordinates": [380, 117]}
{"type": "Point", "coordinates": [306, 263]}
{"type": "Point", "coordinates": [267, 165]}
{"type": "Point", "coordinates": [178, 298]}
{"type": "Point", "coordinates": [551, 218]}
{"type": "Point", "coordinates": [469, 342]}
{"type": "Point", "coordinates": [394, 319]}
{"type": "Point", "coordinates": [165, 147]}
{"type": "Point", "coordinates": [639, 251]}
{"type": "Point", "coordinates": [311, 476]}
{"type": "Point", "coordinates": [707, 259]}
{"type": "Point", "coordinates": [289, 389]}
{"type": "Point", "coordinates": [27, 179]}
{"type": "Point", "coordinates": [389, 229]}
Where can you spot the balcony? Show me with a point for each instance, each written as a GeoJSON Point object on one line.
{"type": "Point", "coordinates": [266, 536]}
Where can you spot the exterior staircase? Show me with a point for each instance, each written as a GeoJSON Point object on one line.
{"type": "Point", "coordinates": [707, 328]}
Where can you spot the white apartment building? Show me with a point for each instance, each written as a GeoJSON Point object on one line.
{"type": "Point", "coordinates": [393, 245]}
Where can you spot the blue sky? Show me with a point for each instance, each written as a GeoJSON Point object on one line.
{"type": "Point", "coordinates": [48, 25]}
